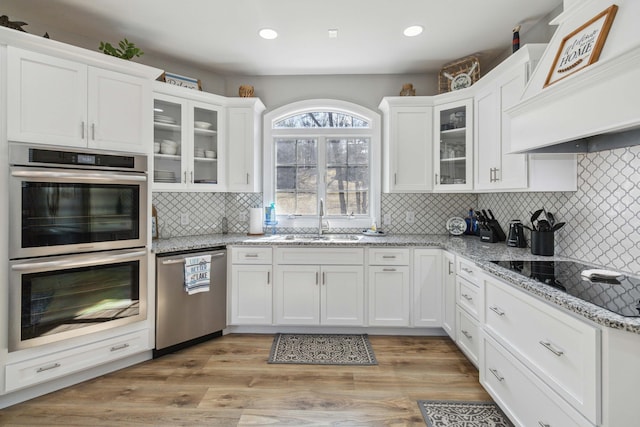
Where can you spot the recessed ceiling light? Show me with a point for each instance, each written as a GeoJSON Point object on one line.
{"type": "Point", "coordinates": [413, 30]}
{"type": "Point", "coordinates": [333, 34]}
{"type": "Point", "coordinates": [268, 33]}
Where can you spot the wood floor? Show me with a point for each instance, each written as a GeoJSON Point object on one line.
{"type": "Point", "coordinates": [227, 382]}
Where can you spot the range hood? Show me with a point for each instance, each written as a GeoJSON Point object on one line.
{"type": "Point", "coordinates": [596, 108]}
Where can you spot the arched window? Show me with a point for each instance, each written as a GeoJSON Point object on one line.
{"type": "Point", "coordinates": [323, 150]}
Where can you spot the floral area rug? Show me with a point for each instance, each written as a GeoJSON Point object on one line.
{"type": "Point", "coordinates": [443, 413]}
{"type": "Point", "coordinates": [322, 349]}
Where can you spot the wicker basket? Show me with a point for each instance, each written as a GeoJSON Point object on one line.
{"type": "Point", "coordinates": [459, 66]}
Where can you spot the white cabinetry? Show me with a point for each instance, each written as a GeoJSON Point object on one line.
{"type": "Point", "coordinates": [188, 129]}
{"type": "Point", "coordinates": [389, 287]}
{"type": "Point", "coordinates": [468, 306]}
{"type": "Point", "coordinates": [244, 148]}
{"type": "Point", "coordinates": [62, 102]}
{"type": "Point", "coordinates": [449, 293]}
{"type": "Point", "coordinates": [495, 169]}
{"type": "Point", "coordinates": [453, 146]}
{"type": "Point", "coordinates": [250, 297]}
{"type": "Point", "coordinates": [407, 157]}
{"type": "Point", "coordinates": [319, 286]}
{"type": "Point", "coordinates": [427, 287]}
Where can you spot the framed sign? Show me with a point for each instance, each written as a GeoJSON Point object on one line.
{"type": "Point", "coordinates": [182, 81]}
{"type": "Point", "coordinates": [582, 47]}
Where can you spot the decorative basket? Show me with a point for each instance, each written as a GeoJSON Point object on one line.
{"type": "Point", "coordinates": [463, 65]}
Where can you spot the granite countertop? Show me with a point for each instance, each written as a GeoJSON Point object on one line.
{"type": "Point", "coordinates": [469, 247]}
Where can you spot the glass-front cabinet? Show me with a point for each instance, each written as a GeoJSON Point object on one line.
{"type": "Point", "coordinates": [187, 144]}
{"type": "Point", "coordinates": [453, 144]}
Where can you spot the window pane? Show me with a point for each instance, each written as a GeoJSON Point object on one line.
{"type": "Point", "coordinates": [307, 204]}
{"type": "Point", "coordinates": [307, 152]}
{"type": "Point", "coordinates": [358, 151]}
{"type": "Point", "coordinates": [337, 179]}
{"type": "Point", "coordinates": [285, 203]}
{"type": "Point", "coordinates": [337, 151]}
{"type": "Point", "coordinates": [307, 179]}
{"type": "Point", "coordinates": [322, 119]}
{"type": "Point", "coordinates": [285, 152]}
{"type": "Point", "coordinates": [359, 177]}
{"type": "Point", "coordinates": [286, 178]}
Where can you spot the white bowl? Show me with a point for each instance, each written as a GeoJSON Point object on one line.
{"type": "Point", "coordinates": [209, 154]}
{"type": "Point", "coordinates": [168, 148]}
{"type": "Point", "coordinates": [170, 142]}
{"type": "Point", "coordinates": [202, 125]}
{"type": "Point", "coordinates": [156, 147]}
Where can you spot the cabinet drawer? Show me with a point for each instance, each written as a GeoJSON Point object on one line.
{"type": "Point", "coordinates": [388, 256]}
{"type": "Point", "coordinates": [468, 296]}
{"type": "Point", "coordinates": [508, 381]}
{"type": "Point", "coordinates": [251, 255]}
{"type": "Point", "coordinates": [52, 366]}
{"type": "Point", "coordinates": [467, 336]}
{"type": "Point", "coordinates": [468, 270]}
{"type": "Point", "coordinates": [560, 349]}
{"type": "Point", "coordinates": [320, 256]}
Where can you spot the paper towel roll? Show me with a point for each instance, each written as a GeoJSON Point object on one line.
{"type": "Point", "coordinates": [255, 221]}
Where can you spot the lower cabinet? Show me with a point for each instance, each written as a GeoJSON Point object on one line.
{"type": "Point", "coordinates": [250, 289]}
{"type": "Point", "coordinates": [389, 287]}
{"type": "Point", "coordinates": [521, 395]}
{"type": "Point", "coordinates": [427, 287]}
{"type": "Point", "coordinates": [468, 335]}
{"type": "Point", "coordinates": [63, 363]}
{"type": "Point", "coordinates": [319, 295]}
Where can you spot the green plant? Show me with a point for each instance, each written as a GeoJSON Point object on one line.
{"type": "Point", "coordinates": [127, 49]}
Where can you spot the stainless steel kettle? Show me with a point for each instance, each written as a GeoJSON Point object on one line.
{"type": "Point", "coordinates": [516, 235]}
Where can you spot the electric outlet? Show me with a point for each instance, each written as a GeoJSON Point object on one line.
{"type": "Point", "coordinates": [410, 217]}
{"type": "Point", "coordinates": [386, 220]}
{"type": "Point", "coordinates": [242, 216]}
{"type": "Point", "coordinates": [184, 218]}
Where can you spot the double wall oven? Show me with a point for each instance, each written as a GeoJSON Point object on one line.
{"type": "Point", "coordinates": [77, 242]}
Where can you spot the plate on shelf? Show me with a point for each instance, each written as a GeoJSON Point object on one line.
{"type": "Point", "coordinates": [456, 225]}
{"type": "Point", "coordinates": [202, 125]}
{"type": "Point", "coordinates": [164, 119]}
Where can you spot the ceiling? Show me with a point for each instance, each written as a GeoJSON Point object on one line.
{"type": "Point", "coordinates": [222, 35]}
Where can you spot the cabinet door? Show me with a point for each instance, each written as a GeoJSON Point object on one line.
{"type": "Point", "coordinates": [389, 296]}
{"type": "Point", "coordinates": [409, 152]}
{"type": "Point", "coordinates": [487, 138]}
{"type": "Point", "coordinates": [170, 143]}
{"type": "Point", "coordinates": [427, 287]}
{"type": "Point", "coordinates": [46, 99]}
{"type": "Point", "coordinates": [342, 295]}
{"type": "Point", "coordinates": [243, 150]}
{"type": "Point", "coordinates": [251, 295]}
{"type": "Point", "coordinates": [204, 150]}
{"type": "Point", "coordinates": [297, 295]}
{"type": "Point", "coordinates": [453, 146]}
{"type": "Point", "coordinates": [449, 291]}
{"type": "Point", "coordinates": [119, 111]}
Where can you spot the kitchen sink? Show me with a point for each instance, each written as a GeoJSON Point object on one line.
{"type": "Point", "coordinates": [336, 238]}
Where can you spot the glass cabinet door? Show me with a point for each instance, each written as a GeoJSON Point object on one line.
{"type": "Point", "coordinates": [167, 142]}
{"type": "Point", "coordinates": [453, 146]}
{"type": "Point", "coordinates": [205, 146]}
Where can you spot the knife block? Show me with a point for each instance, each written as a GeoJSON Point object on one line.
{"type": "Point", "coordinates": [542, 243]}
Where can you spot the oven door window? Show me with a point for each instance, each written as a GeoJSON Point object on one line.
{"type": "Point", "coordinates": [63, 300]}
{"type": "Point", "coordinates": [72, 213]}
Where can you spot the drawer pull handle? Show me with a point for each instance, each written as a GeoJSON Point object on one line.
{"type": "Point", "coordinates": [496, 310]}
{"type": "Point", "coordinates": [268, 277]}
{"type": "Point", "coordinates": [450, 264]}
{"type": "Point", "coordinates": [467, 270]}
{"type": "Point", "coordinates": [316, 278]}
{"type": "Point", "coordinates": [467, 334]}
{"type": "Point", "coordinates": [467, 297]}
{"type": "Point", "coordinates": [496, 374]}
{"type": "Point", "coordinates": [541, 424]}
{"type": "Point", "coordinates": [549, 346]}
{"type": "Point", "coordinates": [48, 368]}
{"type": "Point", "coordinates": [388, 269]}
{"type": "Point", "coordinates": [119, 347]}
{"type": "Point", "coordinates": [389, 256]}
{"type": "Point", "coordinates": [251, 255]}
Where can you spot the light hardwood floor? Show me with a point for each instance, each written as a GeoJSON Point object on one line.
{"type": "Point", "coordinates": [227, 382]}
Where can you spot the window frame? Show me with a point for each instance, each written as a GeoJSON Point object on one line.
{"type": "Point", "coordinates": [373, 133]}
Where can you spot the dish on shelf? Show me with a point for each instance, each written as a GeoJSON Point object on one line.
{"type": "Point", "coordinates": [164, 119]}
{"type": "Point", "coordinates": [377, 233]}
{"type": "Point", "coordinates": [456, 225]}
{"type": "Point", "coordinates": [202, 125]}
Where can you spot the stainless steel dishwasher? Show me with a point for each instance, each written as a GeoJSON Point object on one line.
{"type": "Point", "coordinates": [183, 319]}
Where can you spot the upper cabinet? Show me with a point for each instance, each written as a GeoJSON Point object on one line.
{"type": "Point", "coordinates": [407, 144]}
{"type": "Point", "coordinates": [188, 139]}
{"type": "Point", "coordinates": [453, 146]}
{"type": "Point", "coordinates": [52, 100]}
{"type": "Point", "coordinates": [494, 168]}
{"type": "Point", "coordinates": [244, 148]}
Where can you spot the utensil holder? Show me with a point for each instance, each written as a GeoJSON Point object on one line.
{"type": "Point", "coordinates": [542, 243]}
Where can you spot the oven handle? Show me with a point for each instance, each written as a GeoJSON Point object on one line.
{"type": "Point", "coordinates": [72, 263]}
{"type": "Point", "coordinates": [85, 176]}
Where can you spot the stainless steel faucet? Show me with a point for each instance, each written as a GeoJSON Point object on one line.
{"type": "Point", "coordinates": [320, 215]}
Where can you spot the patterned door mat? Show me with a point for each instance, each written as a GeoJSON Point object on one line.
{"type": "Point", "coordinates": [446, 413]}
{"type": "Point", "coordinates": [322, 349]}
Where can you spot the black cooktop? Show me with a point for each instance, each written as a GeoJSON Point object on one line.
{"type": "Point", "coordinates": [620, 295]}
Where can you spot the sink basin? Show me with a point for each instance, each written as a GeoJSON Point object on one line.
{"type": "Point", "coordinates": [337, 238]}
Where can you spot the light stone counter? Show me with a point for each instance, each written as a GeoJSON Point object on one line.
{"type": "Point", "coordinates": [468, 247]}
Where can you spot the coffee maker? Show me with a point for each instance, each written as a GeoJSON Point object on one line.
{"type": "Point", "coordinates": [516, 235]}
